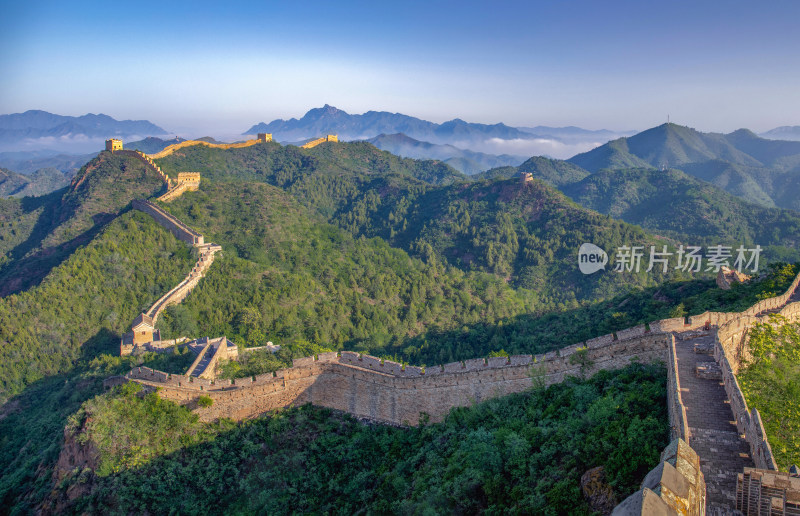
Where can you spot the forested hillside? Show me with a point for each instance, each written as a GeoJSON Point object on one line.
{"type": "Point", "coordinates": [761, 171]}
{"type": "Point", "coordinates": [339, 247]}
{"type": "Point", "coordinates": [670, 200]}
{"type": "Point", "coordinates": [522, 453]}
{"type": "Point", "coordinates": [59, 223]}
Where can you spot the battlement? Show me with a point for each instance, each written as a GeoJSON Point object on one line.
{"type": "Point", "coordinates": [189, 143]}
{"type": "Point", "coordinates": [383, 390]}
{"type": "Point", "coordinates": [318, 141]}
{"type": "Point", "coordinates": [169, 222]}
{"type": "Point", "coordinates": [192, 179]}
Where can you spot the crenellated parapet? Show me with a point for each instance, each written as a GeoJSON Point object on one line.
{"type": "Point", "coordinates": [189, 143]}
{"type": "Point", "coordinates": [384, 390]}
{"type": "Point", "coordinates": [318, 141]}
{"type": "Point", "coordinates": [387, 391]}
{"type": "Point", "coordinates": [169, 222]}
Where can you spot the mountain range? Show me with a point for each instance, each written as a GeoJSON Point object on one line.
{"type": "Point", "coordinates": [497, 139]}
{"type": "Point", "coordinates": [785, 132]}
{"type": "Point", "coordinates": [41, 182]}
{"type": "Point", "coordinates": [759, 170]}
{"type": "Point", "coordinates": [39, 124]}
{"type": "Point", "coordinates": [36, 130]}
{"type": "Point", "coordinates": [465, 161]}
{"type": "Point", "coordinates": [328, 119]}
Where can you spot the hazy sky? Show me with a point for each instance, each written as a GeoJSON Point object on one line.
{"type": "Point", "coordinates": [715, 66]}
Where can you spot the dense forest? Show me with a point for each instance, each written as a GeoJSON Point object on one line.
{"type": "Point", "coordinates": [522, 453]}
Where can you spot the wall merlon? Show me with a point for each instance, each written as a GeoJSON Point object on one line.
{"type": "Point", "coordinates": [392, 368]}
{"type": "Point", "coordinates": [370, 362]}
{"type": "Point", "coordinates": [349, 357]}
{"type": "Point", "coordinates": [636, 331]}
{"type": "Point", "coordinates": [329, 356]}
{"type": "Point", "coordinates": [600, 341]}
{"type": "Point", "coordinates": [496, 362]}
{"type": "Point", "coordinates": [519, 360]}
{"type": "Point", "coordinates": [302, 362]}
{"type": "Point", "coordinates": [412, 371]}
{"type": "Point", "coordinates": [475, 364]}
{"type": "Point", "coordinates": [454, 367]}
{"type": "Point", "coordinates": [569, 350]}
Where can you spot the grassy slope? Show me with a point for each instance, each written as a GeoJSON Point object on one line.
{"type": "Point", "coordinates": [528, 235]}
{"type": "Point", "coordinates": [770, 382]}
{"type": "Point", "coordinates": [288, 277]}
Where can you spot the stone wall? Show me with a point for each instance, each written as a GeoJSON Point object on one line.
{"type": "Point", "coordinates": [768, 493]}
{"type": "Point", "coordinates": [678, 424]}
{"type": "Point", "coordinates": [386, 391]}
{"type": "Point", "coordinates": [184, 288]}
{"type": "Point", "coordinates": [675, 486]}
{"type": "Point", "coordinates": [314, 143]}
{"type": "Point", "coordinates": [174, 192]}
{"type": "Point", "coordinates": [175, 226]}
{"type": "Point", "coordinates": [189, 143]}
{"type": "Point", "coordinates": [731, 350]}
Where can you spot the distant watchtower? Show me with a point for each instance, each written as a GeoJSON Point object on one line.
{"type": "Point", "coordinates": [113, 145]}
{"type": "Point", "coordinates": [332, 138]}
{"type": "Point", "coordinates": [264, 137]}
{"type": "Point", "coordinates": [526, 177]}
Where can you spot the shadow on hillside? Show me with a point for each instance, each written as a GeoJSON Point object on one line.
{"type": "Point", "coordinates": [25, 272]}
{"type": "Point", "coordinates": [540, 333]}
{"type": "Point", "coordinates": [104, 341]}
{"type": "Point", "coordinates": [32, 425]}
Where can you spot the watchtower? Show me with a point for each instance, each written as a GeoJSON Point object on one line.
{"type": "Point", "coordinates": [526, 177]}
{"type": "Point", "coordinates": [113, 145]}
{"type": "Point", "coordinates": [332, 138]}
{"type": "Point", "coordinates": [265, 137]}
{"type": "Point", "coordinates": [142, 329]}
{"type": "Point", "coordinates": [190, 179]}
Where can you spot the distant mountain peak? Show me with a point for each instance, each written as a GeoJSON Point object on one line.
{"type": "Point", "coordinates": [34, 124]}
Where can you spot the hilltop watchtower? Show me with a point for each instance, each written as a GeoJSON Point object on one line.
{"type": "Point", "coordinates": [264, 137]}
{"type": "Point", "coordinates": [526, 177]}
{"type": "Point", "coordinates": [113, 145]}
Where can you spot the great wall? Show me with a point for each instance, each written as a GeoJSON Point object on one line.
{"type": "Point", "coordinates": [719, 459]}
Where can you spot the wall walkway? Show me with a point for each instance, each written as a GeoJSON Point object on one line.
{"type": "Point", "coordinates": [169, 222]}
{"type": "Point", "coordinates": [189, 143]}
{"type": "Point", "coordinates": [182, 289]}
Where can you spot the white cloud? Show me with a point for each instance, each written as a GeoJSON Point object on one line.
{"type": "Point", "coordinates": [530, 147]}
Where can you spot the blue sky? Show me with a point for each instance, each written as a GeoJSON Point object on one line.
{"type": "Point", "coordinates": [716, 66]}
